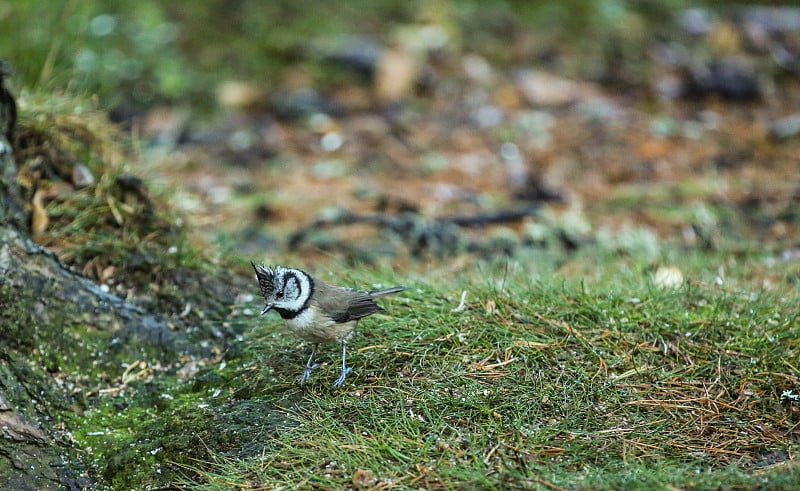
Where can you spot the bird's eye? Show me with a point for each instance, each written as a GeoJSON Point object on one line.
{"type": "Point", "coordinates": [279, 295]}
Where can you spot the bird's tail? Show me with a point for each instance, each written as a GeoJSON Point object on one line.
{"type": "Point", "coordinates": [387, 291]}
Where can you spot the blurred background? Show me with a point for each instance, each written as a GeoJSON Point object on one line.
{"type": "Point", "coordinates": [374, 129]}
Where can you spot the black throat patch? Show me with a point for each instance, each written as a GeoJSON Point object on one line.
{"type": "Point", "coordinates": [287, 314]}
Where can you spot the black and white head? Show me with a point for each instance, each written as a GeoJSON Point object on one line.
{"type": "Point", "coordinates": [287, 290]}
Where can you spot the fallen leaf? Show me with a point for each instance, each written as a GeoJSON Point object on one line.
{"type": "Point", "coordinates": [238, 95]}
{"type": "Point", "coordinates": [363, 478]}
{"type": "Point", "coordinates": [112, 205]}
{"type": "Point", "coordinates": [540, 89]}
{"type": "Point", "coordinates": [39, 218]}
{"type": "Point", "coordinates": [531, 344]}
{"type": "Point", "coordinates": [16, 427]}
{"type": "Point", "coordinates": [395, 75]}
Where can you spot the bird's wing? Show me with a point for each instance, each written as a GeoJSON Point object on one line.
{"type": "Point", "coordinates": [344, 304]}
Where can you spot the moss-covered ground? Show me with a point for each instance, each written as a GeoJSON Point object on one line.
{"type": "Point", "coordinates": [614, 382]}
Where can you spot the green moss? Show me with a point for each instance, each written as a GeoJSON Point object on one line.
{"type": "Point", "coordinates": [530, 378]}
{"type": "Point", "coordinates": [532, 381]}
{"type": "Point", "coordinates": [150, 431]}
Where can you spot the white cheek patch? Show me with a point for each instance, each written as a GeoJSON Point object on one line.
{"type": "Point", "coordinates": [304, 285]}
{"type": "Point", "coordinates": [303, 290]}
{"type": "Point", "coordinates": [296, 304]}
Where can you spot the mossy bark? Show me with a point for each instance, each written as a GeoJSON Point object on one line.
{"type": "Point", "coordinates": [61, 337]}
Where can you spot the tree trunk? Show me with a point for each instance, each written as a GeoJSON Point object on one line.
{"type": "Point", "coordinates": [60, 336]}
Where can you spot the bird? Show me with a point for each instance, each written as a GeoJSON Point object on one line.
{"type": "Point", "coordinates": [315, 311]}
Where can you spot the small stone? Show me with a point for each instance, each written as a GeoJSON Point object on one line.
{"type": "Point", "coordinates": [668, 277]}
{"type": "Point", "coordinates": [82, 176]}
{"type": "Point", "coordinates": [786, 127]}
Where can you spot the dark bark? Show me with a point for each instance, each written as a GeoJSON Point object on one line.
{"type": "Point", "coordinates": [61, 336]}
{"type": "Point", "coordinates": [43, 308]}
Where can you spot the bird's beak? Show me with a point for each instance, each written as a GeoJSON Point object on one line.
{"type": "Point", "coordinates": [267, 308]}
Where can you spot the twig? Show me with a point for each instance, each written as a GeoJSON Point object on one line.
{"type": "Point", "coordinates": [462, 305]}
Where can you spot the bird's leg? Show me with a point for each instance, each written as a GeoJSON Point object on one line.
{"type": "Point", "coordinates": [345, 370]}
{"type": "Point", "coordinates": [309, 366]}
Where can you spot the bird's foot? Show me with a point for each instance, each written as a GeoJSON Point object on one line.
{"type": "Point", "coordinates": [342, 375]}
{"type": "Point", "coordinates": [306, 373]}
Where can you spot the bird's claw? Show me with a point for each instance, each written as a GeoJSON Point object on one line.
{"type": "Point", "coordinates": [306, 373]}
{"type": "Point", "coordinates": [342, 375]}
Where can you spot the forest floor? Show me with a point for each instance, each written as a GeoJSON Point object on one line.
{"type": "Point", "coordinates": [603, 275]}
